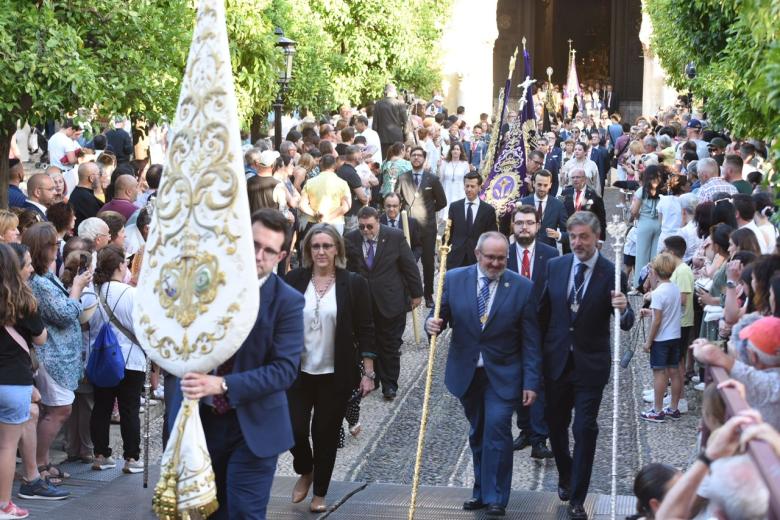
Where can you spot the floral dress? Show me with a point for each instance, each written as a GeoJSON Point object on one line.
{"type": "Point", "coordinates": [61, 354]}
{"type": "Point", "coordinates": [390, 172]}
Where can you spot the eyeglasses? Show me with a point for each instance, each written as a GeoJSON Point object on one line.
{"type": "Point", "coordinates": [526, 223]}
{"type": "Point", "coordinates": [365, 226]}
{"type": "Point", "coordinates": [266, 250]}
{"type": "Point", "coordinates": [323, 247]}
{"type": "Point", "coordinates": [538, 162]}
{"type": "Point", "coordinates": [417, 155]}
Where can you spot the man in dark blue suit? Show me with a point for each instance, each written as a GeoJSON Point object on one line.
{"type": "Point", "coordinates": [549, 210]}
{"type": "Point", "coordinates": [550, 162]}
{"type": "Point", "coordinates": [40, 195]}
{"type": "Point", "coordinates": [528, 257]}
{"type": "Point", "coordinates": [470, 218]}
{"type": "Point", "coordinates": [599, 155]}
{"type": "Point", "coordinates": [493, 362]}
{"type": "Point", "coordinates": [244, 413]}
{"type": "Point", "coordinates": [392, 217]}
{"type": "Point", "coordinates": [574, 314]}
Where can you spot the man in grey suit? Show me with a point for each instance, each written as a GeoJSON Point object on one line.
{"type": "Point", "coordinates": [389, 119]}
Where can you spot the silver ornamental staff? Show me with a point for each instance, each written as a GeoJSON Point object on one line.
{"type": "Point", "coordinates": [617, 230]}
{"type": "Point", "coordinates": [408, 235]}
{"type": "Point", "coordinates": [147, 419]}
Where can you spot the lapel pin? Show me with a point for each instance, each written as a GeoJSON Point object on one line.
{"type": "Point", "coordinates": [506, 284]}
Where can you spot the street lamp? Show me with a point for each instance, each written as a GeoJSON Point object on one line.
{"type": "Point", "coordinates": [285, 75]}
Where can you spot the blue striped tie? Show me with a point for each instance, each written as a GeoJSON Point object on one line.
{"type": "Point", "coordinates": [484, 296]}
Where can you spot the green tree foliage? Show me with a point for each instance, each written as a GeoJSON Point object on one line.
{"type": "Point", "coordinates": [736, 49]}
{"type": "Point", "coordinates": [128, 57]}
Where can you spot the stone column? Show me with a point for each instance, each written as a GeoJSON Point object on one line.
{"type": "Point", "coordinates": [655, 90]}
{"type": "Point", "coordinates": [467, 57]}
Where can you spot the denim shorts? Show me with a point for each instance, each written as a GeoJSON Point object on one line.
{"type": "Point", "coordinates": [665, 354]}
{"type": "Point", "coordinates": [15, 403]}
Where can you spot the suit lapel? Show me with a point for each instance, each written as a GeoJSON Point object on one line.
{"type": "Point", "coordinates": [380, 246]}
{"type": "Point", "coordinates": [471, 288]}
{"type": "Point", "coordinates": [512, 260]}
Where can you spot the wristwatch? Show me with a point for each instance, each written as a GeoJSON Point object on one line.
{"type": "Point", "coordinates": [731, 284]}
{"type": "Point", "coordinates": [224, 386]}
{"type": "Point", "coordinates": [370, 375]}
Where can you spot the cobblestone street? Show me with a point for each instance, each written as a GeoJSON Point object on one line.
{"type": "Point", "coordinates": [385, 449]}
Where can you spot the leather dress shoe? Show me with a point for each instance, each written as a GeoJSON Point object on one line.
{"type": "Point", "coordinates": [564, 491]}
{"type": "Point", "coordinates": [495, 510]}
{"type": "Point", "coordinates": [389, 394]}
{"type": "Point", "coordinates": [472, 504]}
{"type": "Point", "coordinates": [541, 451]}
{"type": "Point", "coordinates": [577, 512]}
{"type": "Point", "coordinates": [522, 441]}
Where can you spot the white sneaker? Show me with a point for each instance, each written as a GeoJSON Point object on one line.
{"type": "Point", "coordinates": [682, 405]}
{"type": "Point", "coordinates": [695, 379]}
{"type": "Point", "coordinates": [133, 466]}
{"type": "Point", "coordinates": [102, 463]}
{"type": "Point", "coordinates": [699, 386]}
{"type": "Point", "coordinates": [648, 396]}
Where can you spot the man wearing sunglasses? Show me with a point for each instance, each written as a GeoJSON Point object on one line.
{"type": "Point", "coordinates": [382, 256]}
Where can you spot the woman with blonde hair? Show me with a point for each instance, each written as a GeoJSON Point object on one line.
{"type": "Point", "coordinates": [338, 330]}
{"type": "Point", "coordinates": [9, 227]}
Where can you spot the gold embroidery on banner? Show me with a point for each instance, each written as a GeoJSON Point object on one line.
{"type": "Point", "coordinates": [194, 208]}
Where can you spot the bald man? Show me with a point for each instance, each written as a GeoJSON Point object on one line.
{"type": "Point", "coordinates": [16, 197]}
{"type": "Point", "coordinates": [83, 200]}
{"type": "Point", "coordinates": [125, 193]}
{"type": "Point", "coordinates": [40, 194]}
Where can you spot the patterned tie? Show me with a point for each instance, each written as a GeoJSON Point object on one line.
{"type": "Point", "coordinates": [469, 217]}
{"type": "Point", "coordinates": [370, 254]}
{"type": "Point", "coordinates": [577, 204]}
{"type": "Point", "coordinates": [539, 212]}
{"type": "Point", "coordinates": [392, 222]}
{"type": "Point", "coordinates": [579, 281]}
{"type": "Point", "coordinates": [526, 269]}
{"type": "Point", "coordinates": [482, 301]}
{"type": "Point", "coordinates": [220, 402]}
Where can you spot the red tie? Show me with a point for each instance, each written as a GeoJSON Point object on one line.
{"type": "Point", "coordinates": [577, 202]}
{"type": "Point", "coordinates": [220, 402]}
{"type": "Point", "coordinates": [526, 268]}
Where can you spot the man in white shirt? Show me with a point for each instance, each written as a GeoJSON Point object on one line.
{"type": "Point", "coordinates": [62, 149]}
{"type": "Point", "coordinates": [372, 138]}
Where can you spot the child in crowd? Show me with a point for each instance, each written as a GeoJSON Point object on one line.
{"type": "Point", "coordinates": [683, 279]}
{"type": "Point", "coordinates": [663, 340]}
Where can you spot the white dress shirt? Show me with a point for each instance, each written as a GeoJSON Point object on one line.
{"type": "Point", "coordinates": [474, 209]}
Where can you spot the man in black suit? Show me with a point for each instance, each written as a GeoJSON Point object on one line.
{"type": "Point", "coordinates": [549, 210]}
{"type": "Point", "coordinates": [529, 257]}
{"type": "Point", "coordinates": [549, 162]}
{"type": "Point", "coordinates": [574, 313]}
{"type": "Point", "coordinates": [470, 218]}
{"type": "Point", "coordinates": [119, 141]}
{"type": "Point", "coordinates": [392, 218]}
{"type": "Point", "coordinates": [579, 197]}
{"type": "Point", "coordinates": [610, 100]}
{"type": "Point", "coordinates": [598, 154]}
{"type": "Point", "coordinates": [382, 256]}
{"type": "Point", "coordinates": [40, 195]}
{"type": "Point", "coordinates": [422, 195]}
{"type": "Point", "coordinates": [389, 119]}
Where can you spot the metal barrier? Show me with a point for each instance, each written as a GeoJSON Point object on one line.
{"type": "Point", "coordinates": [764, 457]}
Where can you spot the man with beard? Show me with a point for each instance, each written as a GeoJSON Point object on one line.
{"type": "Point", "coordinates": [422, 195]}
{"type": "Point", "coordinates": [528, 257]}
{"type": "Point", "coordinates": [574, 314]}
{"type": "Point", "coordinates": [549, 211]}
{"type": "Point", "coordinates": [493, 362]}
